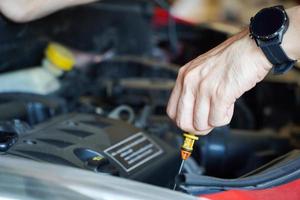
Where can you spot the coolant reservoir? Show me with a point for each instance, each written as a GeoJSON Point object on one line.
{"type": "Point", "coordinates": [41, 79]}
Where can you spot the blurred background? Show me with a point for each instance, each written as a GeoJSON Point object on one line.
{"type": "Point", "coordinates": [233, 11]}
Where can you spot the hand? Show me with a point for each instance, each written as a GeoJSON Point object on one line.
{"type": "Point", "coordinates": [208, 86]}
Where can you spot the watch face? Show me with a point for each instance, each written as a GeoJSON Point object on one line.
{"type": "Point", "coordinates": [267, 22]}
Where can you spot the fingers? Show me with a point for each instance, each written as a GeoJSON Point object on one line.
{"type": "Point", "coordinates": [198, 109]}
{"type": "Point", "coordinates": [188, 106]}
{"type": "Point", "coordinates": [176, 93]}
{"type": "Point", "coordinates": [193, 113]}
{"type": "Point", "coordinates": [173, 101]}
{"type": "Point", "coordinates": [201, 112]}
{"type": "Point", "coordinates": [185, 109]}
{"type": "Point", "coordinates": [185, 96]}
{"type": "Point", "coordinates": [194, 105]}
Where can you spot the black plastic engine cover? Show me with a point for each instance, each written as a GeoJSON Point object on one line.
{"type": "Point", "coordinates": [102, 145]}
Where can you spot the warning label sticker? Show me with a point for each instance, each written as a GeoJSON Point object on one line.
{"type": "Point", "coordinates": [134, 151]}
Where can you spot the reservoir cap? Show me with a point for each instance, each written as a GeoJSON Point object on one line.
{"type": "Point", "coordinates": [60, 56]}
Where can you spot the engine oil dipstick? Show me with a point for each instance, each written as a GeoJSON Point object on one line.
{"type": "Point", "coordinates": [186, 150]}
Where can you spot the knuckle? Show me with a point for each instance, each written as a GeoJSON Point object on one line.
{"type": "Point", "coordinates": [200, 126]}
{"type": "Point", "coordinates": [226, 121]}
{"type": "Point", "coordinates": [213, 123]}
{"type": "Point", "coordinates": [188, 128]}
{"type": "Point", "coordinates": [188, 78]}
{"type": "Point", "coordinates": [203, 71]}
{"type": "Point", "coordinates": [221, 97]}
{"type": "Point", "coordinates": [185, 126]}
{"type": "Point", "coordinates": [203, 133]}
{"type": "Point", "coordinates": [203, 86]}
{"type": "Point", "coordinates": [181, 71]}
{"type": "Point", "coordinates": [220, 92]}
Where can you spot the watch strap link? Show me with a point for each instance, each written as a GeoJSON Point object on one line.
{"type": "Point", "coordinates": [278, 58]}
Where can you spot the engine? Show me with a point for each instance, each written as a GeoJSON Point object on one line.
{"type": "Point", "coordinates": [109, 114]}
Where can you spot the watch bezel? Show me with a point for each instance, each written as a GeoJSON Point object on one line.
{"type": "Point", "coordinates": [277, 33]}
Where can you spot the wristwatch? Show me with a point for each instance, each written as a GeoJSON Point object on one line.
{"type": "Point", "coordinates": [267, 28]}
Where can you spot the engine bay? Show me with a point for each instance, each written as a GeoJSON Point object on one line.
{"type": "Point", "coordinates": [109, 114]}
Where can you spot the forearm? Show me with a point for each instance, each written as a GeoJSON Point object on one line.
{"type": "Point", "coordinates": [26, 10]}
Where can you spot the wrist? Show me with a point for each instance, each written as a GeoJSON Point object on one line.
{"type": "Point", "coordinates": [255, 52]}
{"type": "Point", "coordinates": [290, 42]}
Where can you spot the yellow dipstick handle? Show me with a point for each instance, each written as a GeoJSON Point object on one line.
{"type": "Point", "coordinates": [188, 145]}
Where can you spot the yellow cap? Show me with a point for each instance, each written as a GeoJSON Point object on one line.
{"type": "Point", "coordinates": [188, 143]}
{"type": "Point", "coordinates": [60, 56]}
{"type": "Point", "coordinates": [191, 136]}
